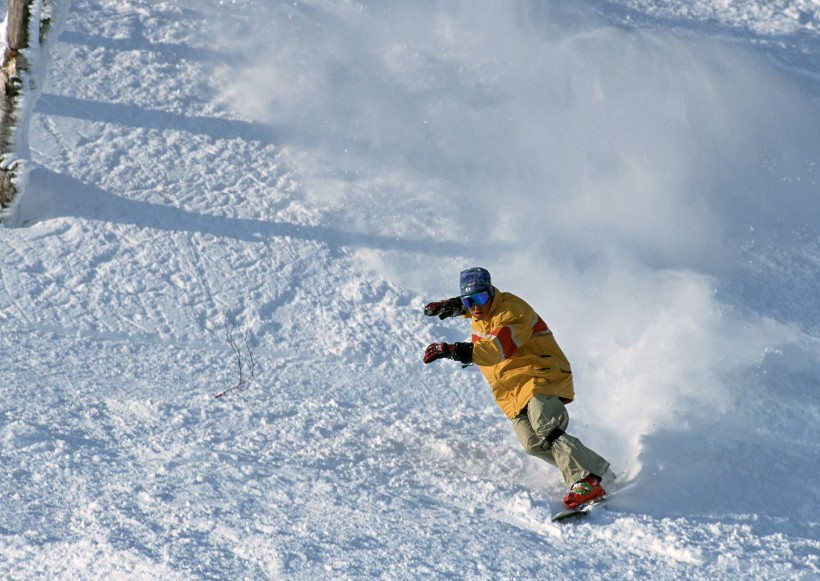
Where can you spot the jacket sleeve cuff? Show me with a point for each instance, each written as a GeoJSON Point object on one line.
{"type": "Point", "coordinates": [463, 352]}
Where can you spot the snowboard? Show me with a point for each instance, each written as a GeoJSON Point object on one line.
{"type": "Point", "coordinates": [563, 513]}
{"type": "Point", "coordinates": [560, 512]}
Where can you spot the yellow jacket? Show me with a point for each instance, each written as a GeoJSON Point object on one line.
{"type": "Point", "coordinates": [518, 355]}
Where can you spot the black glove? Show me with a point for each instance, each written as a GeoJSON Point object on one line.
{"type": "Point", "coordinates": [459, 351]}
{"type": "Point", "coordinates": [446, 308]}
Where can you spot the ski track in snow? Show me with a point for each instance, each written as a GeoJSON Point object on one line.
{"type": "Point", "coordinates": [170, 203]}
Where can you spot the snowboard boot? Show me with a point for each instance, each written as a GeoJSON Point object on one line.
{"type": "Point", "coordinates": [587, 490]}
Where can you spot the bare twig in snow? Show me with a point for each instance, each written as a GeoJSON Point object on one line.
{"type": "Point", "coordinates": [246, 364]}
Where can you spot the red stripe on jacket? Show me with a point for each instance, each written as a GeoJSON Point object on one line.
{"type": "Point", "coordinates": [506, 341]}
{"type": "Point", "coordinates": [540, 327]}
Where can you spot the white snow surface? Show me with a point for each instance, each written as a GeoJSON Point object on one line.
{"type": "Point", "coordinates": [310, 173]}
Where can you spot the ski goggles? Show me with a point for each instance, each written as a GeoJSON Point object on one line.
{"type": "Point", "coordinates": [478, 299]}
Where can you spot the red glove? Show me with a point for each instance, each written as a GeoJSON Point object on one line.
{"type": "Point", "coordinates": [438, 351]}
{"type": "Point", "coordinates": [445, 309]}
{"type": "Point", "coordinates": [459, 351]}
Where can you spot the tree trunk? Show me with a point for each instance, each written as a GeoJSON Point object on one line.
{"type": "Point", "coordinates": [30, 31]}
{"type": "Point", "coordinates": [17, 27]}
{"type": "Point", "coordinates": [13, 63]}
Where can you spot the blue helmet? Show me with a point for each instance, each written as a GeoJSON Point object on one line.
{"type": "Point", "coordinates": [475, 280]}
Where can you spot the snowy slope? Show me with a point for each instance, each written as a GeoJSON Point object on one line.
{"type": "Point", "coordinates": [645, 174]}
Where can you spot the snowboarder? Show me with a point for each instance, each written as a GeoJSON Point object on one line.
{"type": "Point", "coordinates": [530, 377]}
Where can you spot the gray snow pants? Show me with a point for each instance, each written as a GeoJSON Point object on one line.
{"type": "Point", "coordinates": [542, 415]}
